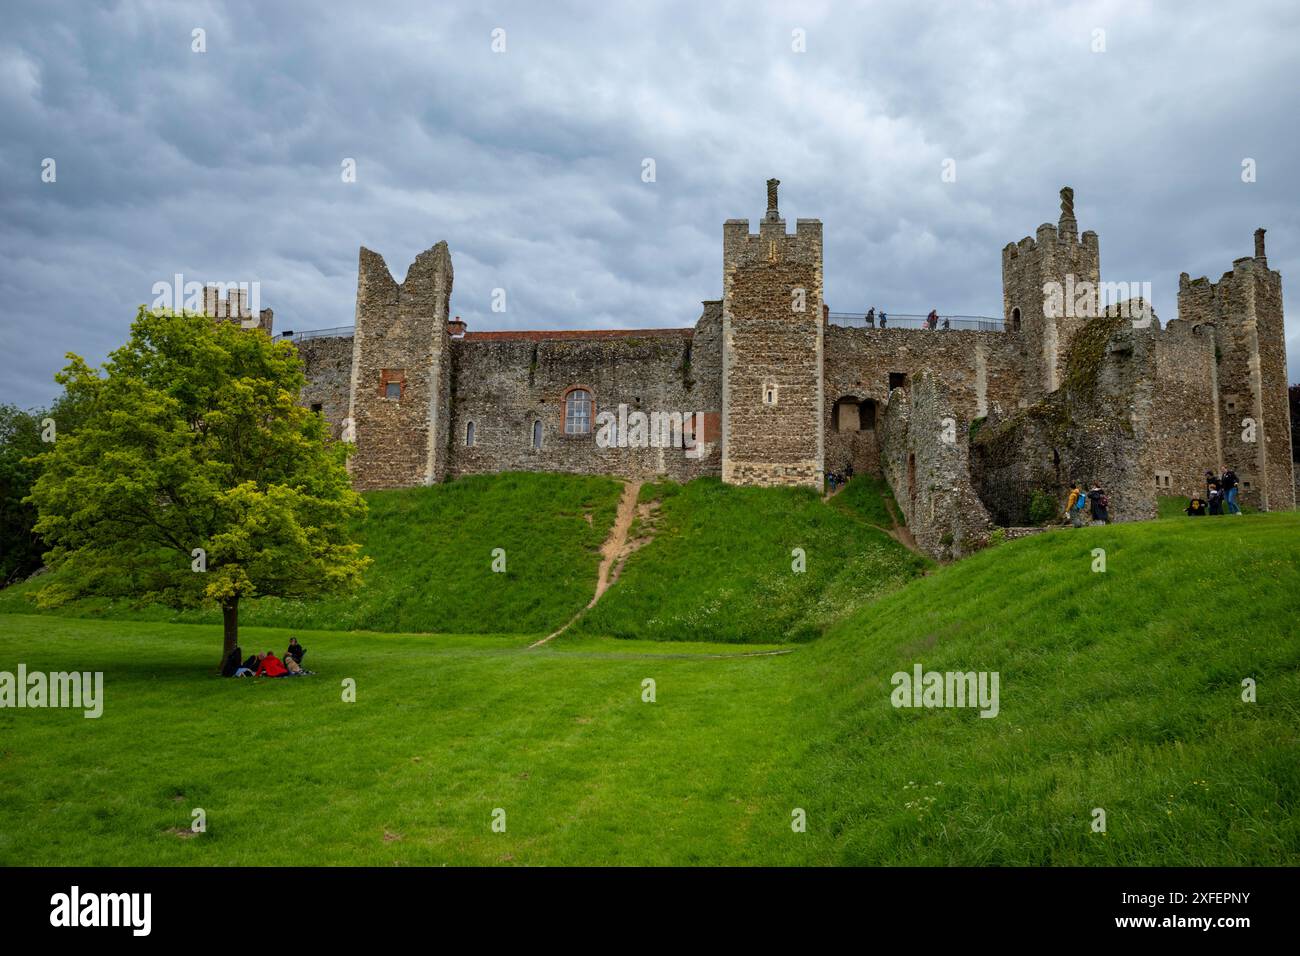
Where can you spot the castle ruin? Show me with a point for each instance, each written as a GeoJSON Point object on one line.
{"type": "Point", "coordinates": [966, 423]}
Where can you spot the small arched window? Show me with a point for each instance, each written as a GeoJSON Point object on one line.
{"type": "Point", "coordinates": [469, 433]}
{"type": "Point", "coordinates": [537, 435]}
{"type": "Point", "coordinates": [577, 412]}
{"type": "Point", "coordinates": [1015, 320]}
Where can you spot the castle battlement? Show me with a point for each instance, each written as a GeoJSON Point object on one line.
{"type": "Point", "coordinates": [782, 396]}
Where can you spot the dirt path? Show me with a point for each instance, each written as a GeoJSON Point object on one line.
{"type": "Point", "coordinates": [899, 532]}
{"type": "Point", "coordinates": [613, 553]}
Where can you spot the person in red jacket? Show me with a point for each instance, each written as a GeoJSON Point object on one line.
{"type": "Point", "coordinates": [270, 666]}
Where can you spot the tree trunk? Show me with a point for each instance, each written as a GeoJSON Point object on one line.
{"type": "Point", "coordinates": [230, 621]}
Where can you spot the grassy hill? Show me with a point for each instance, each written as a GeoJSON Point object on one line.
{"type": "Point", "coordinates": [719, 567]}
{"type": "Point", "coordinates": [720, 564]}
{"type": "Point", "coordinates": [1119, 690]}
{"type": "Point", "coordinates": [433, 552]}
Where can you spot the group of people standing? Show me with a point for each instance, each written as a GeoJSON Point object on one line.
{"type": "Point", "coordinates": [1092, 506]}
{"type": "Point", "coordinates": [836, 478]}
{"type": "Point", "coordinates": [931, 320]}
{"type": "Point", "coordinates": [1220, 496]}
{"type": "Point", "coordinates": [266, 665]}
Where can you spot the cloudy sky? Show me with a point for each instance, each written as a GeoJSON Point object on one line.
{"type": "Point", "coordinates": [226, 165]}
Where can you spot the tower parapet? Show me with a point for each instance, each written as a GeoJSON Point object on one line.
{"type": "Point", "coordinates": [1049, 291]}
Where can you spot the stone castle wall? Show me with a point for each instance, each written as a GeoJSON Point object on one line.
{"type": "Point", "coordinates": [980, 371]}
{"type": "Point", "coordinates": [1143, 410]}
{"type": "Point", "coordinates": [925, 459]}
{"type": "Point", "coordinates": [504, 383]}
{"type": "Point", "coordinates": [327, 363]}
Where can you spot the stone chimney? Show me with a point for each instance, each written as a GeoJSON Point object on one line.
{"type": "Point", "coordinates": [1068, 225]}
{"type": "Point", "coordinates": [1259, 246]}
{"type": "Point", "coordinates": [773, 213]}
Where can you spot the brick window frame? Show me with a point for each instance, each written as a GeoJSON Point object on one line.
{"type": "Point", "coordinates": [389, 376]}
{"type": "Point", "coordinates": [564, 411]}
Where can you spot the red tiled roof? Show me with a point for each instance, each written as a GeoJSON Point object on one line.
{"type": "Point", "coordinates": [528, 335]}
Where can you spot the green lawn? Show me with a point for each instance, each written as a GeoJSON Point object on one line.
{"type": "Point", "coordinates": [1119, 690]}
{"type": "Point", "coordinates": [433, 553]}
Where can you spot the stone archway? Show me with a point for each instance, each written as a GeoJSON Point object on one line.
{"type": "Point", "coordinates": [851, 434]}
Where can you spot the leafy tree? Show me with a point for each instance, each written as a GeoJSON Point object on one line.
{"type": "Point", "coordinates": [195, 475]}
{"type": "Point", "coordinates": [21, 434]}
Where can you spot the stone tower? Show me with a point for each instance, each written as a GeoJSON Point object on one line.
{"type": "Point", "coordinates": [1049, 290]}
{"type": "Point", "coordinates": [1245, 308]}
{"type": "Point", "coordinates": [772, 351]}
{"type": "Point", "coordinates": [401, 355]}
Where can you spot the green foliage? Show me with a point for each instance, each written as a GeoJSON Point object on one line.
{"type": "Point", "coordinates": [193, 439]}
{"type": "Point", "coordinates": [22, 436]}
{"type": "Point", "coordinates": [432, 553]}
{"type": "Point", "coordinates": [1042, 506]}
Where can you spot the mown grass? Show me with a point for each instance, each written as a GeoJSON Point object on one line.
{"type": "Point", "coordinates": [433, 553]}
{"type": "Point", "coordinates": [721, 565]}
{"type": "Point", "coordinates": [1119, 690]}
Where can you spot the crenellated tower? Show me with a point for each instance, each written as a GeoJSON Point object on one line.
{"type": "Point", "coordinates": [1245, 308]}
{"type": "Point", "coordinates": [772, 351]}
{"type": "Point", "coordinates": [1050, 287]}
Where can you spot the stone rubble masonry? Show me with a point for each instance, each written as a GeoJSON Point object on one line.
{"type": "Point", "coordinates": [233, 307]}
{"type": "Point", "coordinates": [925, 459]}
{"type": "Point", "coordinates": [773, 328]}
{"type": "Point", "coordinates": [1142, 409]}
{"type": "Point", "coordinates": [327, 362]}
{"type": "Point", "coordinates": [1245, 309]}
{"type": "Point", "coordinates": [1058, 255]}
{"type": "Point", "coordinates": [401, 339]}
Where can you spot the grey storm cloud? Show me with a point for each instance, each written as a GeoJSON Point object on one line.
{"type": "Point", "coordinates": [225, 165]}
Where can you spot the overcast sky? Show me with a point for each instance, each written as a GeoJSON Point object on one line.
{"type": "Point", "coordinates": [226, 165]}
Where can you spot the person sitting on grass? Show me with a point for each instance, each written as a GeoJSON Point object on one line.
{"type": "Point", "coordinates": [1196, 507]}
{"type": "Point", "coordinates": [295, 650]}
{"type": "Point", "coordinates": [231, 664]}
{"type": "Point", "coordinates": [270, 665]}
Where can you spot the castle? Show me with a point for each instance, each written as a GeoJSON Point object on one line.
{"type": "Point", "coordinates": [968, 423]}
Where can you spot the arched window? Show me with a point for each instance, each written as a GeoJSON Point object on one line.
{"type": "Point", "coordinates": [1015, 320]}
{"type": "Point", "coordinates": [537, 435]}
{"type": "Point", "coordinates": [577, 412]}
{"type": "Point", "coordinates": [469, 433]}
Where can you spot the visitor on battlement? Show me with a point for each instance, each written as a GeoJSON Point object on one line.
{"type": "Point", "coordinates": [871, 317]}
